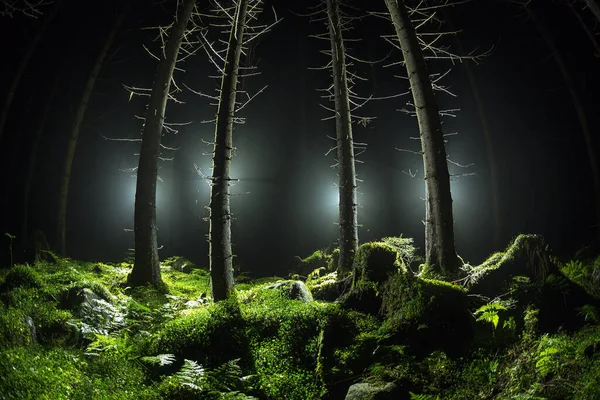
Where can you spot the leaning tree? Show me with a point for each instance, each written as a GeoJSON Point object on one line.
{"type": "Point", "coordinates": [146, 268]}
{"type": "Point", "coordinates": [440, 252]}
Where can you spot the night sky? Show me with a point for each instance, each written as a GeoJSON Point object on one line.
{"type": "Point", "coordinates": [290, 209]}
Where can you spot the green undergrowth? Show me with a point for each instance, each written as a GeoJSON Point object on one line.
{"type": "Point", "coordinates": [509, 329]}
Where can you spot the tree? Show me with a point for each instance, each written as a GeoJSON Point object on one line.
{"type": "Point", "coordinates": [348, 202]}
{"type": "Point", "coordinates": [146, 268]}
{"type": "Point", "coordinates": [220, 253]}
{"type": "Point", "coordinates": [439, 224]}
{"type": "Point", "coordinates": [61, 229]}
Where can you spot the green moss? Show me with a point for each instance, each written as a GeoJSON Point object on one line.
{"type": "Point", "coordinates": [21, 276]}
{"type": "Point", "coordinates": [375, 262]}
{"type": "Point", "coordinates": [430, 314]}
{"type": "Point", "coordinates": [13, 328]}
{"type": "Point", "coordinates": [61, 374]}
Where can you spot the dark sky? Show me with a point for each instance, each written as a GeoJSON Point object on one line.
{"type": "Point", "coordinates": [290, 210]}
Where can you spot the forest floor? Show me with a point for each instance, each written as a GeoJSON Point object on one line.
{"type": "Point", "coordinates": [522, 325]}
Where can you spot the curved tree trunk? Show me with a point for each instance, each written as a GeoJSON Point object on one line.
{"type": "Point", "coordinates": [41, 125]}
{"type": "Point", "coordinates": [10, 94]}
{"type": "Point", "coordinates": [581, 115]}
{"type": "Point", "coordinates": [146, 268]}
{"type": "Point", "coordinates": [220, 253]}
{"type": "Point", "coordinates": [63, 194]}
{"type": "Point", "coordinates": [439, 225]}
{"type": "Point", "coordinates": [585, 28]}
{"type": "Point", "coordinates": [348, 220]}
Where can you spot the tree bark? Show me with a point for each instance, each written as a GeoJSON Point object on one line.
{"type": "Point", "coordinates": [61, 229]}
{"type": "Point", "coordinates": [440, 252]}
{"type": "Point", "coordinates": [10, 94]}
{"type": "Point", "coordinates": [220, 253]}
{"type": "Point", "coordinates": [581, 115]}
{"type": "Point", "coordinates": [146, 268]}
{"type": "Point", "coordinates": [348, 204]}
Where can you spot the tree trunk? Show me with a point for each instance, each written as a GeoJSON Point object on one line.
{"type": "Point", "coordinates": [146, 268]}
{"type": "Point", "coordinates": [10, 94]}
{"type": "Point", "coordinates": [440, 252]}
{"type": "Point", "coordinates": [61, 229]}
{"type": "Point", "coordinates": [594, 8]}
{"type": "Point", "coordinates": [348, 204]}
{"type": "Point", "coordinates": [220, 253]}
{"type": "Point", "coordinates": [579, 108]}
{"type": "Point", "coordinates": [41, 125]}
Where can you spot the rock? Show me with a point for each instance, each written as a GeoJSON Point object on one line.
{"type": "Point", "coordinates": [295, 290]}
{"type": "Point", "coordinates": [369, 391]}
{"type": "Point", "coordinates": [180, 264]}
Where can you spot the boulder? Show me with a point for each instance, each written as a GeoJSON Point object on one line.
{"type": "Point", "coordinates": [369, 391]}
{"type": "Point", "coordinates": [295, 290]}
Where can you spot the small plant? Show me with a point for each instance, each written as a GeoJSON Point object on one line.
{"type": "Point", "coordinates": [490, 312]}
{"type": "Point", "coordinates": [10, 237]}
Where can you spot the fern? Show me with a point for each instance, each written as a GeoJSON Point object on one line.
{"type": "Point", "coordinates": [489, 312]}
{"type": "Point", "coordinates": [161, 359]}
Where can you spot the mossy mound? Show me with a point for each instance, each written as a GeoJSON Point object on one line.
{"type": "Point", "coordinates": [374, 262]}
{"type": "Point", "coordinates": [427, 314]}
{"type": "Point", "coordinates": [327, 286]}
{"type": "Point", "coordinates": [527, 255]}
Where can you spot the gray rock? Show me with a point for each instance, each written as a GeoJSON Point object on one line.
{"type": "Point", "coordinates": [296, 290]}
{"type": "Point", "coordinates": [368, 391]}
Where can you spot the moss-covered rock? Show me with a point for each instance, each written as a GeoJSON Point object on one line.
{"type": "Point", "coordinates": [363, 297]}
{"type": "Point", "coordinates": [294, 290]}
{"type": "Point", "coordinates": [181, 264]}
{"type": "Point", "coordinates": [427, 314]}
{"type": "Point", "coordinates": [327, 287]}
{"type": "Point", "coordinates": [318, 259]}
{"type": "Point", "coordinates": [369, 391]}
{"type": "Point", "coordinates": [374, 262]}
{"type": "Point", "coordinates": [527, 255]}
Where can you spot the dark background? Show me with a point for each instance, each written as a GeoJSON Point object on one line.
{"type": "Point", "coordinates": [545, 184]}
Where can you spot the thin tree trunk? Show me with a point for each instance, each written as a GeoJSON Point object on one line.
{"type": "Point", "coordinates": [220, 253]}
{"type": "Point", "coordinates": [61, 229]}
{"type": "Point", "coordinates": [10, 94]}
{"type": "Point", "coordinates": [488, 140]}
{"type": "Point", "coordinates": [585, 28]}
{"type": "Point", "coordinates": [440, 252]}
{"type": "Point", "coordinates": [146, 268]}
{"type": "Point", "coordinates": [579, 108]}
{"type": "Point", "coordinates": [594, 8]}
{"type": "Point", "coordinates": [41, 125]}
{"type": "Point", "coordinates": [348, 221]}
